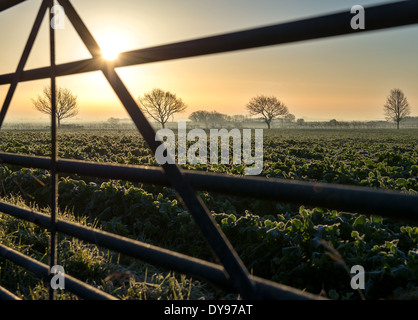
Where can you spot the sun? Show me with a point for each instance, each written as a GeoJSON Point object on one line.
{"type": "Point", "coordinates": [111, 45]}
{"type": "Point", "coordinates": [109, 52]}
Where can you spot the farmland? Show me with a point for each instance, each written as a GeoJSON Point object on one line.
{"type": "Point", "coordinates": [292, 244]}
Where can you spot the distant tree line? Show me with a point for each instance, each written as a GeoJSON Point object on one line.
{"type": "Point", "coordinates": [162, 105]}
{"type": "Point", "coordinates": [408, 122]}
{"type": "Point", "coordinates": [212, 119]}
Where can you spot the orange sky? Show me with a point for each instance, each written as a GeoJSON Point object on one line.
{"type": "Point", "coordinates": [346, 78]}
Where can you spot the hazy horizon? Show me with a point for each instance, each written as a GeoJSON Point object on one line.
{"type": "Point", "coordinates": [344, 78]}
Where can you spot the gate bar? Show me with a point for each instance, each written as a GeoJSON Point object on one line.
{"type": "Point", "coordinates": [172, 260]}
{"type": "Point", "coordinates": [54, 175]}
{"type": "Point", "coordinates": [7, 295]}
{"type": "Point", "coordinates": [71, 284]}
{"type": "Point", "coordinates": [7, 4]}
{"type": "Point", "coordinates": [365, 200]}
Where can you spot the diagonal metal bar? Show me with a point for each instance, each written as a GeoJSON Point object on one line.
{"type": "Point", "coordinates": [7, 4]}
{"type": "Point", "coordinates": [54, 176]}
{"type": "Point", "coordinates": [378, 17]}
{"type": "Point", "coordinates": [22, 61]}
{"type": "Point", "coordinates": [220, 245]}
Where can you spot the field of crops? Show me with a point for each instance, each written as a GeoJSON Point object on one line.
{"type": "Point", "coordinates": [295, 245]}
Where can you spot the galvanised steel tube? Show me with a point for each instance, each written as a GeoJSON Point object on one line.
{"type": "Point", "coordinates": [356, 199]}
{"type": "Point", "coordinates": [7, 4]}
{"type": "Point", "coordinates": [387, 203]}
{"type": "Point", "coordinates": [166, 258]}
{"type": "Point", "coordinates": [25, 160]}
{"type": "Point", "coordinates": [7, 295]}
{"type": "Point", "coordinates": [71, 284]}
{"type": "Point", "coordinates": [378, 17]}
{"type": "Point", "coordinates": [54, 175]}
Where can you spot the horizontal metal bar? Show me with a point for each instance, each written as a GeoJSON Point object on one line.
{"type": "Point", "coordinates": [7, 295]}
{"type": "Point", "coordinates": [378, 17]}
{"type": "Point", "coordinates": [7, 4]}
{"type": "Point", "coordinates": [26, 161]}
{"type": "Point", "coordinates": [340, 197]}
{"type": "Point", "coordinates": [355, 199]}
{"type": "Point", "coordinates": [347, 198]}
{"type": "Point", "coordinates": [166, 258]}
{"type": "Point", "coordinates": [388, 203]}
{"type": "Point", "coordinates": [42, 270]}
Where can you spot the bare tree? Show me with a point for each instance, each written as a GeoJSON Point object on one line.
{"type": "Point", "coordinates": [66, 103]}
{"type": "Point", "coordinates": [161, 105]}
{"type": "Point", "coordinates": [268, 107]}
{"type": "Point", "coordinates": [396, 107]}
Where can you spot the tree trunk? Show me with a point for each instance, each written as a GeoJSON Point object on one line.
{"type": "Point", "coordinates": [59, 122]}
{"type": "Point", "coordinates": [268, 124]}
{"type": "Point", "coordinates": [397, 124]}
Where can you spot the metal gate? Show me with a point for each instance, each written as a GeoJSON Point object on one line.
{"type": "Point", "coordinates": [231, 273]}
